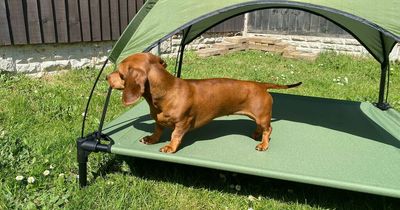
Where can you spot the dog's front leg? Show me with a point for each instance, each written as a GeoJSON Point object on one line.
{"type": "Point", "coordinates": [155, 137]}
{"type": "Point", "coordinates": [176, 138]}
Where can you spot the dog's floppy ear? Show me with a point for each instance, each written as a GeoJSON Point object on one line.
{"type": "Point", "coordinates": [134, 86]}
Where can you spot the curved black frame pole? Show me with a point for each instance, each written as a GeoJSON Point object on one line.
{"type": "Point", "coordinates": [90, 97]}
{"type": "Point", "coordinates": [182, 49]}
{"type": "Point", "coordinates": [381, 104]}
{"type": "Point", "coordinates": [103, 115]}
{"type": "Point", "coordinates": [91, 143]}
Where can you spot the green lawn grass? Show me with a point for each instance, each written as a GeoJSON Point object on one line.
{"type": "Point", "coordinates": [40, 120]}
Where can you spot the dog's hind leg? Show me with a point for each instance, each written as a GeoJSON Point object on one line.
{"type": "Point", "coordinates": [265, 139]}
{"type": "Point", "coordinates": [266, 132]}
{"type": "Point", "coordinates": [257, 133]}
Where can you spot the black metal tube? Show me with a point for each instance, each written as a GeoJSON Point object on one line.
{"type": "Point", "coordinates": [90, 98]}
{"type": "Point", "coordinates": [384, 66]}
{"type": "Point", "coordinates": [83, 174]}
{"type": "Point", "coordinates": [382, 83]}
{"type": "Point", "coordinates": [182, 49]}
{"type": "Point", "coordinates": [103, 115]}
{"type": "Point", "coordinates": [84, 147]}
{"type": "Point", "coordinates": [82, 156]}
{"type": "Point", "coordinates": [102, 148]}
{"type": "Point", "coordinates": [381, 104]}
{"type": "Point", "coordinates": [178, 74]}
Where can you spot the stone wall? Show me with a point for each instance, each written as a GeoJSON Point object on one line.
{"type": "Point", "coordinates": [40, 59]}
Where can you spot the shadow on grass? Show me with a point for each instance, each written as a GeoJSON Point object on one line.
{"type": "Point", "coordinates": [223, 181]}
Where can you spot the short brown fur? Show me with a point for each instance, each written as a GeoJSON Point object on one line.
{"type": "Point", "coordinates": [188, 104]}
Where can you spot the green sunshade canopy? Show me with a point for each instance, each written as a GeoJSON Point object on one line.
{"type": "Point", "coordinates": [375, 24]}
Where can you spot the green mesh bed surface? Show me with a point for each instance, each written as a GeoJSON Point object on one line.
{"type": "Point", "coordinates": [334, 143]}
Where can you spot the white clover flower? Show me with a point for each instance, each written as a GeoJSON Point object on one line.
{"type": "Point", "coordinates": [19, 178]}
{"type": "Point", "coordinates": [83, 114]}
{"type": "Point", "coordinates": [51, 166]}
{"type": "Point", "coordinates": [346, 80]}
{"type": "Point", "coordinates": [31, 179]}
{"type": "Point", "coordinates": [238, 187]}
{"type": "Point", "coordinates": [61, 175]}
{"type": "Point", "coordinates": [3, 133]}
{"type": "Point", "coordinates": [46, 172]}
{"type": "Point", "coordinates": [251, 198]}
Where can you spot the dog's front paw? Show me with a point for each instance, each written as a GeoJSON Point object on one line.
{"type": "Point", "coordinates": [148, 140]}
{"type": "Point", "coordinates": [262, 146]}
{"type": "Point", "coordinates": [167, 149]}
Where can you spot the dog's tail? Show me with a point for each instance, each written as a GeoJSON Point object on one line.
{"type": "Point", "coordinates": [276, 86]}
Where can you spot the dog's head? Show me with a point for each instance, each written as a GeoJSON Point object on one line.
{"type": "Point", "coordinates": [131, 75]}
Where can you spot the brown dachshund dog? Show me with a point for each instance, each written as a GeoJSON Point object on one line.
{"type": "Point", "coordinates": [187, 104]}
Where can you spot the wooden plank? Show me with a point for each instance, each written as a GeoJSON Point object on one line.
{"type": "Point", "coordinates": [17, 22]}
{"type": "Point", "coordinates": [314, 24]}
{"type": "Point", "coordinates": [264, 20]}
{"type": "Point", "coordinates": [105, 20]}
{"type": "Point", "coordinates": [306, 22]}
{"type": "Point", "coordinates": [300, 22]}
{"type": "Point", "coordinates": [292, 21]}
{"type": "Point", "coordinates": [5, 38]}
{"type": "Point", "coordinates": [85, 20]}
{"type": "Point", "coordinates": [74, 24]}
{"type": "Point", "coordinates": [279, 16]}
{"type": "Point", "coordinates": [323, 25]}
{"type": "Point", "coordinates": [139, 4]}
{"type": "Point", "coordinates": [60, 11]}
{"type": "Point", "coordinates": [285, 20]}
{"type": "Point", "coordinates": [274, 19]}
{"type": "Point", "coordinates": [259, 21]}
{"type": "Point", "coordinates": [33, 21]}
{"type": "Point", "coordinates": [95, 19]}
{"type": "Point", "coordinates": [334, 29]}
{"type": "Point", "coordinates": [250, 21]}
{"type": "Point", "coordinates": [131, 8]}
{"type": "Point", "coordinates": [123, 14]}
{"type": "Point", "coordinates": [239, 25]}
{"type": "Point", "coordinates": [114, 11]}
{"type": "Point", "coordinates": [47, 21]}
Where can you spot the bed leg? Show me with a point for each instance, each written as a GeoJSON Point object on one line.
{"type": "Point", "coordinates": [83, 155]}
{"type": "Point", "coordinates": [85, 146]}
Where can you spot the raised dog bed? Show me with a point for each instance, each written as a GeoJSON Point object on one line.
{"type": "Point", "coordinates": [334, 143]}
